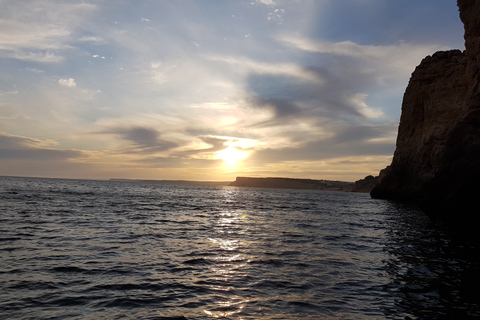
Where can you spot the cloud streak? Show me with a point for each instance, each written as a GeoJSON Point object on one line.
{"type": "Point", "coordinates": [395, 59]}
{"type": "Point", "coordinates": [142, 140]}
{"type": "Point", "coordinates": [21, 148]}
{"type": "Point", "coordinates": [41, 31]}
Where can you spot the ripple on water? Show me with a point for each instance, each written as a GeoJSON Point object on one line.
{"type": "Point", "coordinates": [112, 250]}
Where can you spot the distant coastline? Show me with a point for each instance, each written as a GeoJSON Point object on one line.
{"type": "Point", "coordinates": [363, 185]}
{"type": "Point", "coordinates": [292, 183]}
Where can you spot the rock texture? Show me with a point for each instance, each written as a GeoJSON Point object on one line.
{"type": "Point", "coordinates": [433, 104]}
{"type": "Point", "coordinates": [437, 160]}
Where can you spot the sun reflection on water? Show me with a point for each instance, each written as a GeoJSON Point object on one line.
{"type": "Point", "coordinates": [230, 259]}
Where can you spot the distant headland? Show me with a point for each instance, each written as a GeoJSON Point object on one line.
{"type": "Point", "coordinates": [292, 183]}
{"type": "Point", "coordinates": [364, 185]}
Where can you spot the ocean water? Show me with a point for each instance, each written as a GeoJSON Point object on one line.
{"type": "Point", "coordinates": [78, 249]}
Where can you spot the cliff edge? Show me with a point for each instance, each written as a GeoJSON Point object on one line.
{"type": "Point", "coordinates": [436, 163]}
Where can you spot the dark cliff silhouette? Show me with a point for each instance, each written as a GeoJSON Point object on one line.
{"type": "Point", "coordinates": [437, 160]}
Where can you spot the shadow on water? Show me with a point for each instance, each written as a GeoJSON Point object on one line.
{"type": "Point", "coordinates": [433, 276]}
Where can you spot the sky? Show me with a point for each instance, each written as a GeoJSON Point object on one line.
{"type": "Point", "coordinates": [210, 89]}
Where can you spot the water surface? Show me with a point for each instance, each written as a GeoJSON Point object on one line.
{"type": "Point", "coordinates": [78, 249]}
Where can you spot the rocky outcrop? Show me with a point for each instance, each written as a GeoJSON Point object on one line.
{"type": "Point", "coordinates": [433, 104]}
{"type": "Point", "coordinates": [437, 160]}
{"type": "Point", "coordinates": [365, 185]}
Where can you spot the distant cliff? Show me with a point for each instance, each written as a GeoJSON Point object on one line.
{"type": "Point", "coordinates": [365, 185]}
{"type": "Point", "coordinates": [437, 160]}
{"type": "Point", "coordinates": [290, 183]}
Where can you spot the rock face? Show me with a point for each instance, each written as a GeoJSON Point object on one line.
{"type": "Point", "coordinates": [437, 160]}
{"type": "Point", "coordinates": [433, 104]}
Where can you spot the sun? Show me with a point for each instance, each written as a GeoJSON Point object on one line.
{"type": "Point", "coordinates": [231, 154]}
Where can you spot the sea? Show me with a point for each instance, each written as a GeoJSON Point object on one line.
{"type": "Point", "coordinates": [85, 249]}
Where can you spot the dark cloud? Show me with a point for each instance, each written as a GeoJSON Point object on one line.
{"type": "Point", "coordinates": [143, 140]}
{"type": "Point", "coordinates": [217, 144]}
{"type": "Point", "coordinates": [346, 142]}
{"type": "Point", "coordinates": [321, 150]}
{"type": "Point", "coordinates": [279, 107]}
{"type": "Point", "coordinates": [333, 95]}
{"type": "Point", "coordinates": [322, 94]}
{"type": "Point", "coordinates": [24, 148]}
{"type": "Point", "coordinates": [358, 133]}
{"type": "Point", "coordinates": [142, 136]}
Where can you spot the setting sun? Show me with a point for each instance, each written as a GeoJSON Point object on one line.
{"type": "Point", "coordinates": [231, 154]}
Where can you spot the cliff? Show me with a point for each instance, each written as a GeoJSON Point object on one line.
{"type": "Point", "coordinates": [436, 163]}
{"type": "Point", "coordinates": [290, 183]}
{"type": "Point", "coordinates": [433, 104]}
{"type": "Point", "coordinates": [365, 185]}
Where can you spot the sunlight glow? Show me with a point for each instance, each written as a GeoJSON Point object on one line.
{"type": "Point", "coordinates": [231, 154]}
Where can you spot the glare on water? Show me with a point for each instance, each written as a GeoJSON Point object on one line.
{"type": "Point", "coordinates": [99, 249]}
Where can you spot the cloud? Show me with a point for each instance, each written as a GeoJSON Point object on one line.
{"type": "Point", "coordinates": [387, 60]}
{"type": "Point", "coordinates": [324, 95]}
{"type": "Point", "coordinates": [367, 133]}
{"type": "Point", "coordinates": [18, 35]}
{"type": "Point", "coordinates": [40, 30]}
{"type": "Point", "coordinates": [217, 144]}
{"type": "Point", "coordinates": [200, 151]}
{"type": "Point", "coordinates": [249, 66]}
{"type": "Point", "coordinates": [79, 94]}
{"type": "Point", "coordinates": [13, 91]}
{"type": "Point", "coordinates": [280, 107]}
{"type": "Point", "coordinates": [18, 147]}
{"type": "Point", "coordinates": [267, 2]}
{"type": "Point", "coordinates": [143, 140]}
{"type": "Point", "coordinates": [69, 83]}
{"type": "Point", "coordinates": [348, 141]}
{"type": "Point", "coordinates": [322, 87]}
{"type": "Point", "coordinates": [334, 80]}
{"type": "Point", "coordinates": [35, 70]}
{"type": "Point", "coordinates": [91, 39]}
{"type": "Point", "coordinates": [44, 57]}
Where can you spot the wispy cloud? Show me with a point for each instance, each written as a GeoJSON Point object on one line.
{"type": "Point", "coordinates": [18, 35]}
{"type": "Point", "coordinates": [381, 59]}
{"type": "Point", "coordinates": [267, 2]}
{"type": "Point", "coordinates": [41, 31]}
{"type": "Point", "coordinates": [44, 57]}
